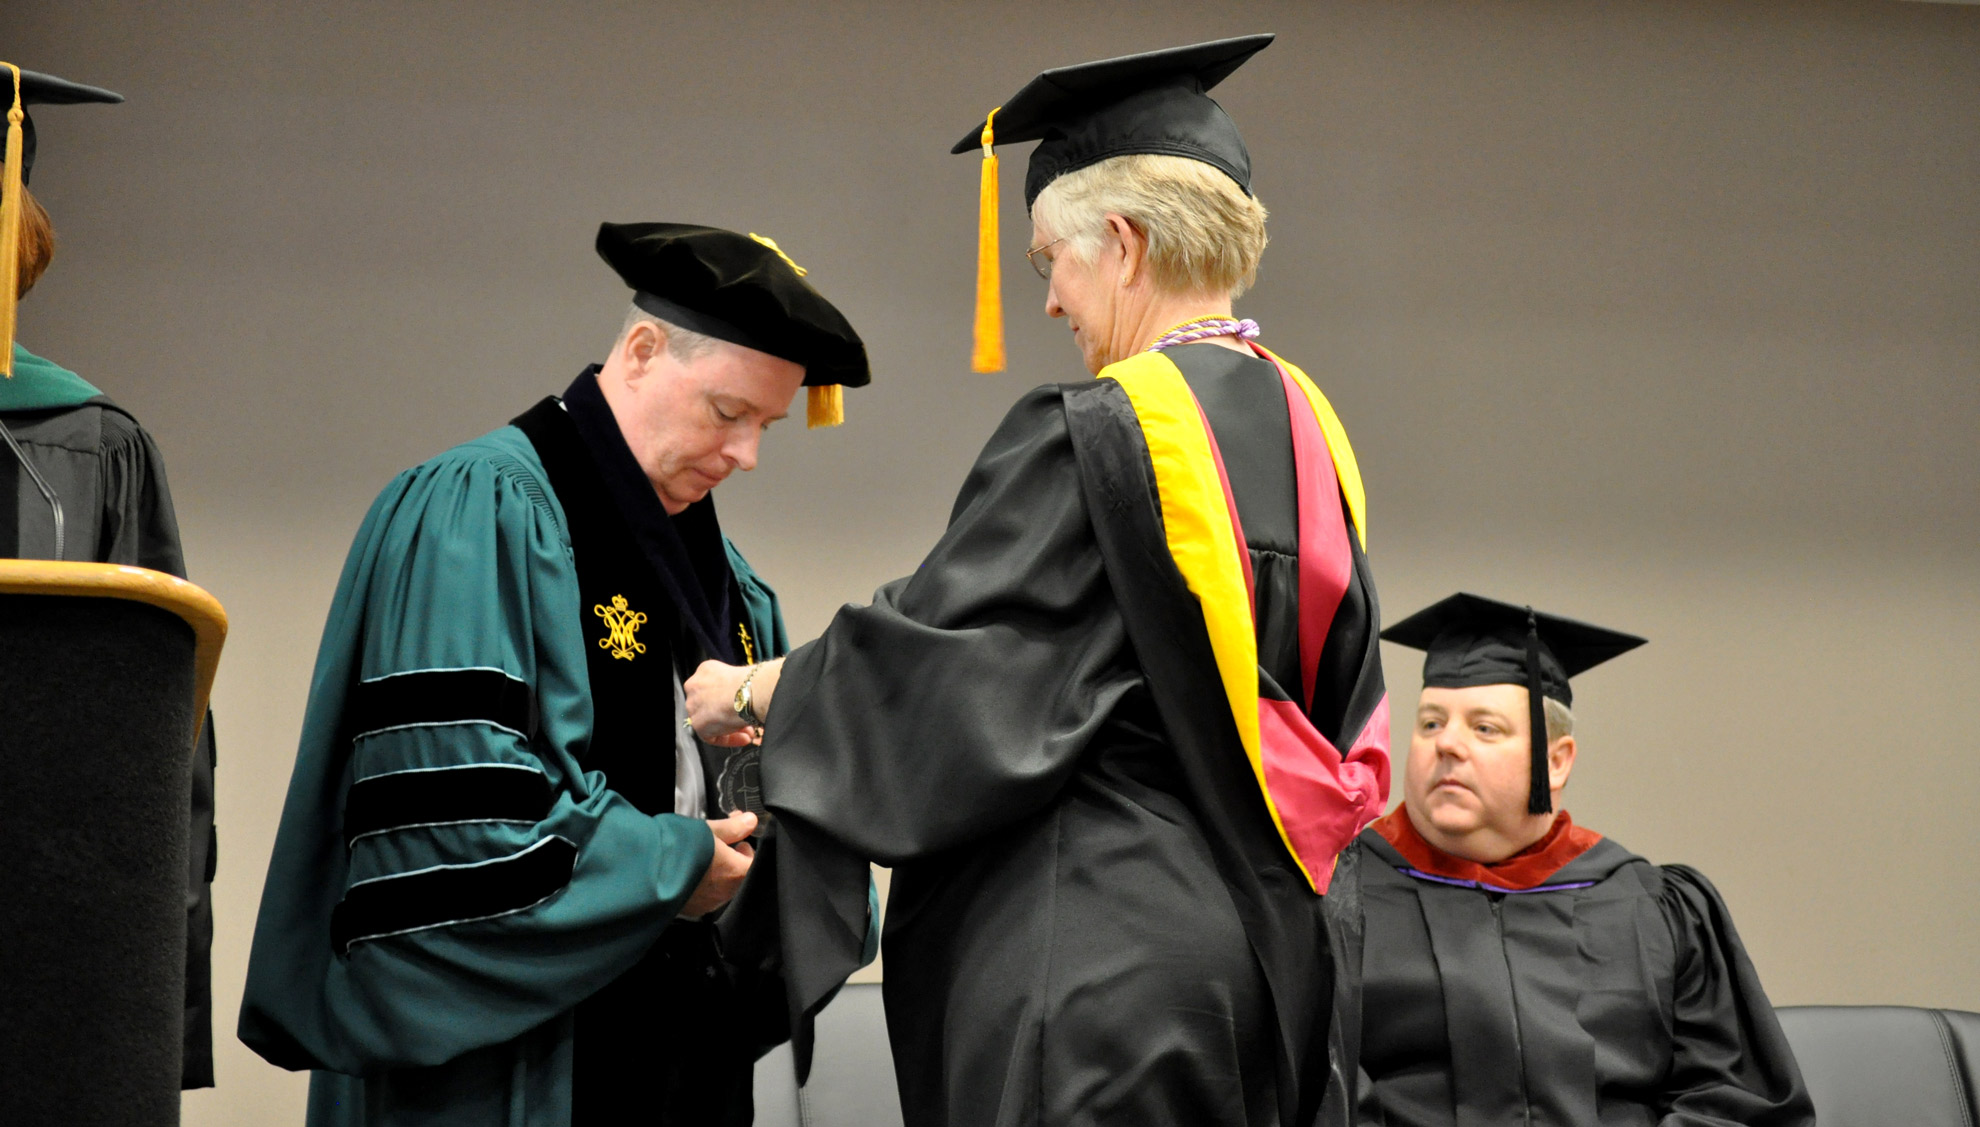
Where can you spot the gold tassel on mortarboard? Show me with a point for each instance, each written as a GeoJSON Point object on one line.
{"type": "Point", "coordinates": [824, 405]}
{"type": "Point", "coordinates": [989, 353]}
{"type": "Point", "coordinates": [10, 227]}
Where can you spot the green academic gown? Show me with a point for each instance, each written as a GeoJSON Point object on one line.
{"type": "Point", "coordinates": [109, 477]}
{"type": "Point", "coordinates": [451, 879]}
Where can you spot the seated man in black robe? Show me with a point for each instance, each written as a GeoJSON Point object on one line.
{"type": "Point", "coordinates": [1516, 967]}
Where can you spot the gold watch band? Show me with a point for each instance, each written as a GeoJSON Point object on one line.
{"type": "Point", "coordinates": [745, 707]}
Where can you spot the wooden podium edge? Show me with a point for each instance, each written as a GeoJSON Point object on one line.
{"type": "Point", "coordinates": [191, 602]}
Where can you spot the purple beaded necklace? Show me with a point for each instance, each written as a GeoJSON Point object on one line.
{"type": "Point", "coordinates": [1203, 328]}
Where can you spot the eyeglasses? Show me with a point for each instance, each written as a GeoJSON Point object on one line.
{"type": "Point", "coordinates": [1042, 265]}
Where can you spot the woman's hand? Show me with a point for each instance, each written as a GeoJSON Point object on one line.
{"type": "Point", "coordinates": [711, 700]}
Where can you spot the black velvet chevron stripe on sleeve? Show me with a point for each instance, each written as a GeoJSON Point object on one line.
{"type": "Point", "coordinates": [452, 894]}
{"type": "Point", "coordinates": [439, 796]}
{"type": "Point", "coordinates": [439, 696]}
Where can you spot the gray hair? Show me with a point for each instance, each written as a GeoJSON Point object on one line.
{"type": "Point", "coordinates": [1205, 235]}
{"type": "Point", "coordinates": [683, 345]}
{"type": "Point", "coordinates": [1560, 722]}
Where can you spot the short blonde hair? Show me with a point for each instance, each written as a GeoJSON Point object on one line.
{"type": "Point", "coordinates": [1205, 235]}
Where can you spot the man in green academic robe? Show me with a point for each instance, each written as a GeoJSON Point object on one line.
{"type": "Point", "coordinates": [491, 895]}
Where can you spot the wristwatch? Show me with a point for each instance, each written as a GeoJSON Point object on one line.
{"type": "Point", "coordinates": [745, 708]}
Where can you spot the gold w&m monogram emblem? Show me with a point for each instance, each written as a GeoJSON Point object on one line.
{"type": "Point", "coordinates": [621, 625]}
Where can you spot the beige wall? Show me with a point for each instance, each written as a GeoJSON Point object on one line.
{"type": "Point", "coordinates": [1666, 315]}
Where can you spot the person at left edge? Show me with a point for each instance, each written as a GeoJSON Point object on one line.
{"type": "Point", "coordinates": [489, 892]}
{"type": "Point", "coordinates": [79, 454]}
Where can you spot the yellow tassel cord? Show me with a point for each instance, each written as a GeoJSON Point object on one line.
{"type": "Point", "coordinates": [772, 244]}
{"type": "Point", "coordinates": [989, 354]}
{"type": "Point", "coordinates": [824, 405]}
{"type": "Point", "coordinates": [10, 228]}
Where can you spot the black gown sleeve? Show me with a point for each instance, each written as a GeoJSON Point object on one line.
{"type": "Point", "coordinates": [959, 700]}
{"type": "Point", "coordinates": [957, 703]}
{"type": "Point", "coordinates": [1730, 1062]}
{"type": "Point", "coordinates": [139, 527]}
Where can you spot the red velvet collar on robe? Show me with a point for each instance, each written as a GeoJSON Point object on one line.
{"type": "Point", "coordinates": [1527, 869]}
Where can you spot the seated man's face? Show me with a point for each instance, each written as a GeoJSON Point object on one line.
{"type": "Point", "coordinates": [1469, 765]}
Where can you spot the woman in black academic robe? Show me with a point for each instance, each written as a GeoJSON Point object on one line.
{"type": "Point", "coordinates": [1095, 915]}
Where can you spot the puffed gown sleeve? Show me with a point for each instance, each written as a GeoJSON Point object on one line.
{"type": "Point", "coordinates": [1730, 1064]}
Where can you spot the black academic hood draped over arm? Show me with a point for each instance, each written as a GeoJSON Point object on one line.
{"type": "Point", "coordinates": [957, 702]}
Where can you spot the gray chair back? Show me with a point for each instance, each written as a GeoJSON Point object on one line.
{"type": "Point", "coordinates": [1872, 1066]}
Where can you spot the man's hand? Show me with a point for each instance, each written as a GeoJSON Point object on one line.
{"type": "Point", "coordinates": [727, 868]}
{"type": "Point", "coordinates": [711, 700]}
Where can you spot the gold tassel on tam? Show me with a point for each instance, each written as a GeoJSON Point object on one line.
{"type": "Point", "coordinates": [989, 354]}
{"type": "Point", "coordinates": [772, 244]}
{"type": "Point", "coordinates": [824, 405]}
{"type": "Point", "coordinates": [10, 227]}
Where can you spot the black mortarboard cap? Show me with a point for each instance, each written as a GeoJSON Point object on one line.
{"type": "Point", "coordinates": [21, 89]}
{"type": "Point", "coordinates": [1155, 102]}
{"type": "Point", "coordinates": [742, 289]}
{"type": "Point", "coordinates": [1471, 640]}
{"type": "Point", "coordinates": [47, 90]}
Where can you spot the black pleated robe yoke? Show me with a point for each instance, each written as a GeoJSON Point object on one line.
{"type": "Point", "coordinates": [1092, 916]}
{"type": "Point", "coordinates": [1617, 993]}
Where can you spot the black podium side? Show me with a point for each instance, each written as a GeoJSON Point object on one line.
{"type": "Point", "coordinates": [97, 709]}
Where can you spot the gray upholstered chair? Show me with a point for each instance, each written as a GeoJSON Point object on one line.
{"type": "Point", "coordinates": [852, 1071]}
{"type": "Point", "coordinates": [1901, 1066]}
{"type": "Point", "coordinates": [1866, 1066]}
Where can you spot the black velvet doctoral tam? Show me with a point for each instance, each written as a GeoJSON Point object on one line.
{"type": "Point", "coordinates": [738, 288]}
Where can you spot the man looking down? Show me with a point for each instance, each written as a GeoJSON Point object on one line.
{"type": "Point", "coordinates": [486, 900]}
